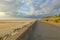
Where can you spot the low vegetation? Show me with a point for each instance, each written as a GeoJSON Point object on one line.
{"type": "Point", "coordinates": [11, 27]}
{"type": "Point", "coordinates": [52, 19]}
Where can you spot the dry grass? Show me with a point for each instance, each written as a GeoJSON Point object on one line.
{"type": "Point", "coordinates": [52, 19]}
{"type": "Point", "coordinates": [7, 26]}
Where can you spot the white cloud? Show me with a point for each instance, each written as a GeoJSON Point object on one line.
{"type": "Point", "coordinates": [2, 5]}
{"type": "Point", "coordinates": [8, 0]}
{"type": "Point", "coordinates": [3, 14]}
{"type": "Point", "coordinates": [49, 5]}
{"type": "Point", "coordinates": [9, 7]}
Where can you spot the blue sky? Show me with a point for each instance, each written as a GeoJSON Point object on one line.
{"type": "Point", "coordinates": [28, 8]}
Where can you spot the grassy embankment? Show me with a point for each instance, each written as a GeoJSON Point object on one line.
{"type": "Point", "coordinates": [52, 19]}
{"type": "Point", "coordinates": [7, 26]}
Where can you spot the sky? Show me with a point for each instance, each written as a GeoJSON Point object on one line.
{"type": "Point", "coordinates": [28, 8]}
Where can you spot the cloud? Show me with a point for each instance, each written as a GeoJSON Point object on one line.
{"type": "Point", "coordinates": [28, 8]}
{"type": "Point", "coordinates": [2, 14]}
{"type": "Point", "coordinates": [9, 0]}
